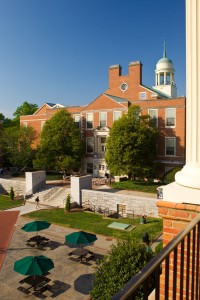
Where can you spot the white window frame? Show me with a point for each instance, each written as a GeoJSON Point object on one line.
{"type": "Point", "coordinates": [102, 119]}
{"type": "Point", "coordinates": [167, 117]}
{"type": "Point", "coordinates": [77, 122]}
{"type": "Point", "coordinates": [156, 117]}
{"type": "Point", "coordinates": [143, 95]}
{"type": "Point", "coordinates": [88, 116]}
{"type": "Point", "coordinates": [114, 115]}
{"type": "Point", "coordinates": [166, 139]}
{"type": "Point", "coordinates": [87, 144]}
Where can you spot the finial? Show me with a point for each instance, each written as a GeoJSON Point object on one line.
{"type": "Point", "coordinates": [164, 52]}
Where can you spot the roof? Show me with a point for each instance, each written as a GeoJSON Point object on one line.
{"type": "Point", "coordinates": [160, 94]}
{"type": "Point", "coordinates": [165, 60]}
{"type": "Point", "coordinates": [117, 99]}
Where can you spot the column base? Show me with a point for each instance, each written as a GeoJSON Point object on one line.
{"type": "Point", "coordinates": [189, 177]}
{"type": "Point", "coordinates": [174, 192]}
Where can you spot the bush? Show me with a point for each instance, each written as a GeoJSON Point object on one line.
{"type": "Point", "coordinates": [170, 175]}
{"type": "Point", "coordinates": [12, 193]}
{"type": "Point", "coordinates": [68, 203]}
{"type": "Point", "coordinates": [123, 261]}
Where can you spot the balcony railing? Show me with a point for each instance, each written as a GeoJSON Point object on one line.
{"type": "Point", "coordinates": [180, 261]}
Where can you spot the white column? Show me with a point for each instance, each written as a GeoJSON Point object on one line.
{"type": "Point", "coordinates": [189, 176]}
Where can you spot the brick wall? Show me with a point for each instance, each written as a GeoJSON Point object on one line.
{"type": "Point", "coordinates": [175, 217]}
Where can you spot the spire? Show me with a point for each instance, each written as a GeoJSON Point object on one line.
{"type": "Point", "coordinates": [164, 51]}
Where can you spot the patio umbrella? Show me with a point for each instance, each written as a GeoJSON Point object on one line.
{"type": "Point", "coordinates": [80, 238]}
{"type": "Point", "coordinates": [33, 265]}
{"type": "Point", "coordinates": [36, 226]}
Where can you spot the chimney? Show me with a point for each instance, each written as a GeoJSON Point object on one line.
{"type": "Point", "coordinates": [135, 72]}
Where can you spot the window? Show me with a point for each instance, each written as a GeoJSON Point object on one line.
{"type": "Point", "coordinates": [25, 124]}
{"type": "Point", "coordinates": [170, 146]}
{"type": "Point", "coordinates": [170, 114]}
{"type": "Point", "coordinates": [90, 168]}
{"type": "Point", "coordinates": [89, 145]}
{"type": "Point", "coordinates": [153, 113]}
{"type": "Point", "coordinates": [89, 121]}
{"type": "Point", "coordinates": [102, 119]}
{"type": "Point", "coordinates": [101, 167]}
{"type": "Point", "coordinates": [77, 120]}
{"type": "Point", "coordinates": [143, 95]}
{"type": "Point", "coordinates": [117, 115]}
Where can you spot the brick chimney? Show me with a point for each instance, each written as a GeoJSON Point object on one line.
{"type": "Point", "coordinates": [135, 72]}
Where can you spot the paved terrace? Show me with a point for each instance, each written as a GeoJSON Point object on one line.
{"type": "Point", "coordinates": [69, 279]}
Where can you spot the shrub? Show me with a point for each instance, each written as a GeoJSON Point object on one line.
{"type": "Point", "coordinates": [12, 193]}
{"type": "Point", "coordinates": [68, 203]}
{"type": "Point", "coordinates": [123, 261]}
{"type": "Point", "coordinates": [170, 175]}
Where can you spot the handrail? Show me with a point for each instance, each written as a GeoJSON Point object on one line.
{"type": "Point", "coordinates": [131, 286]}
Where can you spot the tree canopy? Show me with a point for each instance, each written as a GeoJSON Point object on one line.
{"type": "Point", "coordinates": [16, 146]}
{"type": "Point", "coordinates": [131, 146]}
{"type": "Point", "coordinates": [25, 109]}
{"type": "Point", "coordinates": [61, 146]}
{"type": "Point", "coordinates": [124, 260]}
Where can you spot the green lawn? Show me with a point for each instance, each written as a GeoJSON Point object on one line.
{"type": "Point", "coordinates": [142, 186]}
{"type": "Point", "coordinates": [96, 223]}
{"type": "Point", "coordinates": [6, 203]}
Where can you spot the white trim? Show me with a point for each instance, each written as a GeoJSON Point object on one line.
{"type": "Point", "coordinates": [170, 137]}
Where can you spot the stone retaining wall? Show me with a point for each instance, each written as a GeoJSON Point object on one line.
{"type": "Point", "coordinates": [128, 205]}
{"type": "Point", "coordinates": [19, 187]}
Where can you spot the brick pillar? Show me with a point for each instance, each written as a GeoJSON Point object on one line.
{"type": "Point", "coordinates": [175, 217]}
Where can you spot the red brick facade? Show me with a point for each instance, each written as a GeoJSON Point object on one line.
{"type": "Point", "coordinates": [96, 118]}
{"type": "Point", "coordinates": [175, 217]}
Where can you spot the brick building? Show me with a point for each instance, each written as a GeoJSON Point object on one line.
{"type": "Point", "coordinates": [166, 110]}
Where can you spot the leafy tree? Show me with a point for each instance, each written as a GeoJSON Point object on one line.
{"type": "Point", "coordinates": [5, 122]}
{"type": "Point", "coordinates": [131, 146]}
{"type": "Point", "coordinates": [123, 261]}
{"type": "Point", "coordinates": [16, 144]}
{"type": "Point", "coordinates": [61, 146]}
{"type": "Point", "coordinates": [25, 109]}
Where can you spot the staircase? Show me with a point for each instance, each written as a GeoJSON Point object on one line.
{"type": "Point", "coordinates": [51, 195]}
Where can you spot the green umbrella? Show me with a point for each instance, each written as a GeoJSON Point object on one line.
{"type": "Point", "coordinates": [80, 238]}
{"type": "Point", "coordinates": [33, 265]}
{"type": "Point", "coordinates": [36, 226]}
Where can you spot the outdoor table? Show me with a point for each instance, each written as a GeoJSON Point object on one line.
{"type": "Point", "coordinates": [35, 281]}
{"type": "Point", "coordinates": [38, 241]}
{"type": "Point", "coordinates": [37, 238]}
{"type": "Point", "coordinates": [85, 254]}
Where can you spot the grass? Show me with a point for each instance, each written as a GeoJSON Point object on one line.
{"type": "Point", "coordinates": [96, 223]}
{"type": "Point", "coordinates": [6, 203]}
{"type": "Point", "coordinates": [142, 186]}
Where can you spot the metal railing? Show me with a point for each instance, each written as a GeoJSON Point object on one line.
{"type": "Point", "coordinates": [180, 274]}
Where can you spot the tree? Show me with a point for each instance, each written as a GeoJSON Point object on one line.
{"type": "Point", "coordinates": [124, 260]}
{"type": "Point", "coordinates": [61, 146]}
{"type": "Point", "coordinates": [16, 144]}
{"type": "Point", "coordinates": [131, 146]}
{"type": "Point", "coordinates": [25, 109]}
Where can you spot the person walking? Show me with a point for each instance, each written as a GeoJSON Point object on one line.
{"type": "Point", "coordinates": [37, 200]}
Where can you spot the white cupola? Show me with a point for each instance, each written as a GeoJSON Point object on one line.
{"type": "Point", "coordinates": [164, 76]}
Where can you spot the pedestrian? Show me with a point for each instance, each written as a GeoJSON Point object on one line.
{"type": "Point", "coordinates": [37, 200]}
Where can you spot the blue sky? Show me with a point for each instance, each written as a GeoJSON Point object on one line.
{"type": "Point", "coordinates": [60, 50]}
